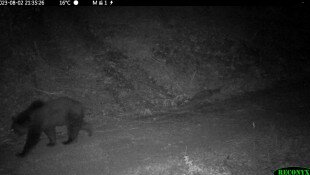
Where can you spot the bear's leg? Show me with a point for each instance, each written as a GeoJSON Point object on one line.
{"type": "Point", "coordinates": [74, 126]}
{"type": "Point", "coordinates": [88, 128]}
{"type": "Point", "coordinates": [33, 137]}
{"type": "Point", "coordinates": [51, 134]}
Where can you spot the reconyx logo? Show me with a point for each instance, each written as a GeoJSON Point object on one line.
{"type": "Point", "coordinates": [292, 171]}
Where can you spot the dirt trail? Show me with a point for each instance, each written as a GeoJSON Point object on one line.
{"type": "Point", "coordinates": [253, 134]}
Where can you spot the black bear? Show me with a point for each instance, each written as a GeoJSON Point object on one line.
{"type": "Point", "coordinates": [45, 116]}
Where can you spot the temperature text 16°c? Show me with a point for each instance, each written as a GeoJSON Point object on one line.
{"type": "Point", "coordinates": [64, 2]}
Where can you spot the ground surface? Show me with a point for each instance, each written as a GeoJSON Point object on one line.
{"type": "Point", "coordinates": [253, 134]}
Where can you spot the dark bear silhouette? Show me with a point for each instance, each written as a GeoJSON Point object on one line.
{"type": "Point", "coordinates": [45, 116]}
